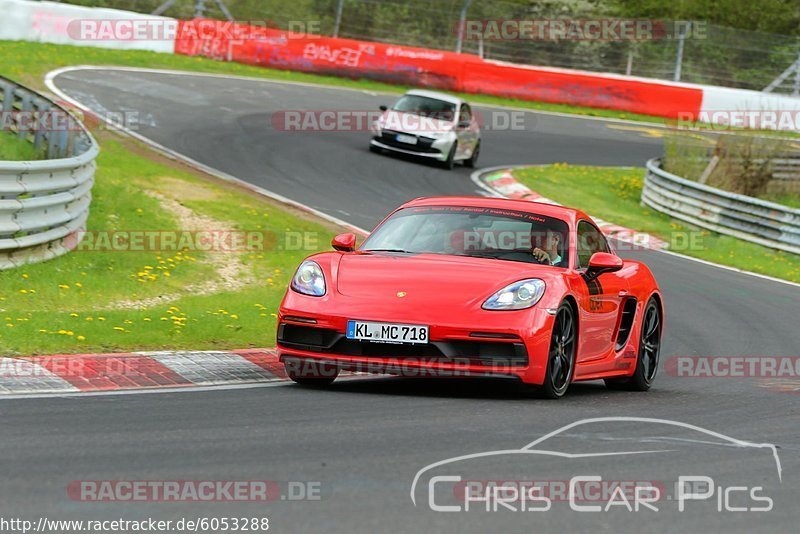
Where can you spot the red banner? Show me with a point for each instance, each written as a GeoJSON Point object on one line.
{"type": "Point", "coordinates": [429, 68]}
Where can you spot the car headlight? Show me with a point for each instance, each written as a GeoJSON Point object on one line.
{"type": "Point", "coordinates": [432, 134]}
{"type": "Point", "coordinates": [516, 296]}
{"type": "Point", "coordinates": [309, 279]}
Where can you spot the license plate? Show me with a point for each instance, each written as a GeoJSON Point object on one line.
{"type": "Point", "coordinates": [387, 332]}
{"type": "Point", "coordinates": [407, 139]}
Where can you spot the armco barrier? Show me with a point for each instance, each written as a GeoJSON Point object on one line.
{"type": "Point", "coordinates": [748, 218]}
{"type": "Point", "coordinates": [44, 204]}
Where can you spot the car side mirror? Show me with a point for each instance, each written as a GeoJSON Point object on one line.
{"type": "Point", "coordinates": [344, 242]}
{"type": "Point", "coordinates": [382, 108]}
{"type": "Point", "coordinates": [603, 262]}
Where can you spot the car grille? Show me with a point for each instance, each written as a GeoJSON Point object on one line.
{"type": "Point", "coordinates": [329, 341]}
{"type": "Point", "coordinates": [389, 137]}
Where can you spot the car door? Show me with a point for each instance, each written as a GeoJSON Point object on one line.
{"type": "Point", "coordinates": [466, 132]}
{"type": "Point", "coordinates": [601, 297]}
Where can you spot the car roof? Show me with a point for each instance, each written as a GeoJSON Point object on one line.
{"type": "Point", "coordinates": [570, 215]}
{"type": "Point", "coordinates": [436, 95]}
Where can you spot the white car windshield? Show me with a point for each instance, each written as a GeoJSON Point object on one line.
{"type": "Point", "coordinates": [473, 231]}
{"type": "Point", "coordinates": [427, 107]}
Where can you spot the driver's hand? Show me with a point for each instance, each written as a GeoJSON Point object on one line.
{"type": "Point", "coordinates": [541, 256]}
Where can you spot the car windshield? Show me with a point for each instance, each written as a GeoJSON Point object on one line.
{"type": "Point", "coordinates": [427, 107]}
{"type": "Point", "coordinates": [473, 231]}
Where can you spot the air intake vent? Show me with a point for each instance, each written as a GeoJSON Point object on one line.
{"type": "Point", "coordinates": [625, 323]}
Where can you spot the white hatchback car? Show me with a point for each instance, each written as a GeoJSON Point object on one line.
{"type": "Point", "coordinates": [431, 125]}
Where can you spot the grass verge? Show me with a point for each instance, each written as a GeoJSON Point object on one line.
{"type": "Point", "coordinates": [167, 296]}
{"type": "Point", "coordinates": [613, 194]}
{"type": "Point", "coordinates": [14, 149]}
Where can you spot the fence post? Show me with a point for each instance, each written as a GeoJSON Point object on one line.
{"type": "Point", "coordinates": [679, 59]}
{"type": "Point", "coordinates": [338, 23]}
{"type": "Point", "coordinates": [796, 91]}
{"type": "Point", "coordinates": [462, 20]}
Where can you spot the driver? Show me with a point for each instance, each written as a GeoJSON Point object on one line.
{"type": "Point", "coordinates": [548, 254]}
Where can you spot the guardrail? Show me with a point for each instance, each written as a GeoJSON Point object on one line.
{"type": "Point", "coordinates": [44, 204]}
{"type": "Point", "coordinates": [748, 218]}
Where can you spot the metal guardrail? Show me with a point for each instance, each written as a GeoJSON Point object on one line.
{"type": "Point", "coordinates": [748, 218]}
{"type": "Point", "coordinates": [44, 203]}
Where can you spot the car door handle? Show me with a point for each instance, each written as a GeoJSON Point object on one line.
{"type": "Point", "coordinates": [623, 293]}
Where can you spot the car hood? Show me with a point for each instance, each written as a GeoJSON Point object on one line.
{"type": "Point", "coordinates": [429, 279]}
{"type": "Point", "coordinates": [415, 124]}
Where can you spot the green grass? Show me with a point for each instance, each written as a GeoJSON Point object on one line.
{"type": "Point", "coordinates": [613, 194]}
{"type": "Point", "coordinates": [29, 62]}
{"type": "Point", "coordinates": [15, 149]}
{"type": "Point", "coordinates": [787, 199]}
{"type": "Point", "coordinates": [91, 301]}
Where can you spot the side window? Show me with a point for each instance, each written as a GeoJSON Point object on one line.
{"type": "Point", "coordinates": [590, 240]}
{"type": "Point", "coordinates": [466, 113]}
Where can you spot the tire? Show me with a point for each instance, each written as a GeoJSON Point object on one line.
{"type": "Point", "coordinates": [649, 352]}
{"type": "Point", "coordinates": [450, 162]}
{"type": "Point", "coordinates": [311, 373]}
{"type": "Point", "coordinates": [561, 355]}
{"type": "Point", "coordinates": [473, 159]}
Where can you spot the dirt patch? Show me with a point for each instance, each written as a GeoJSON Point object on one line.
{"type": "Point", "coordinates": [231, 273]}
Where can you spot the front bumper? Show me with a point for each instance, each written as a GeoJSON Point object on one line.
{"type": "Point", "coordinates": [498, 344]}
{"type": "Point", "coordinates": [436, 149]}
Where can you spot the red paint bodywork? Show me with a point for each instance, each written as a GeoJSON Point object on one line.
{"type": "Point", "coordinates": [447, 292]}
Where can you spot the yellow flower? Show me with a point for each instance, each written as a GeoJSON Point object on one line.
{"type": "Point", "coordinates": [25, 276]}
{"type": "Point", "coordinates": [234, 316]}
{"type": "Point", "coordinates": [80, 338]}
{"type": "Point", "coordinates": [63, 286]}
{"type": "Point", "coordinates": [119, 329]}
{"type": "Point", "coordinates": [73, 314]}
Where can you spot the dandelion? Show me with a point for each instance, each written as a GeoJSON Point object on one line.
{"type": "Point", "coordinates": [119, 329]}
{"type": "Point", "coordinates": [73, 314]}
{"type": "Point", "coordinates": [80, 338]}
{"type": "Point", "coordinates": [63, 286]}
{"type": "Point", "coordinates": [25, 276]}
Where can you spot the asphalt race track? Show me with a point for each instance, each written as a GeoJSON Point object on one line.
{"type": "Point", "coordinates": [365, 440]}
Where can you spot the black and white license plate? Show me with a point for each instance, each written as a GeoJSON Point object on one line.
{"type": "Point", "coordinates": [407, 139]}
{"type": "Point", "coordinates": [387, 332]}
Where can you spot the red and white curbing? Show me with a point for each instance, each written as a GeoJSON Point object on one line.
{"type": "Point", "coordinates": [501, 181]}
{"type": "Point", "coordinates": [139, 370]}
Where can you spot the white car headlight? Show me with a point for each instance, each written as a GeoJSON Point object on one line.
{"type": "Point", "coordinates": [309, 279]}
{"type": "Point", "coordinates": [516, 296]}
{"type": "Point", "coordinates": [436, 134]}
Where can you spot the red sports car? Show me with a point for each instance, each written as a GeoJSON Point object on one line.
{"type": "Point", "coordinates": [472, 286]}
